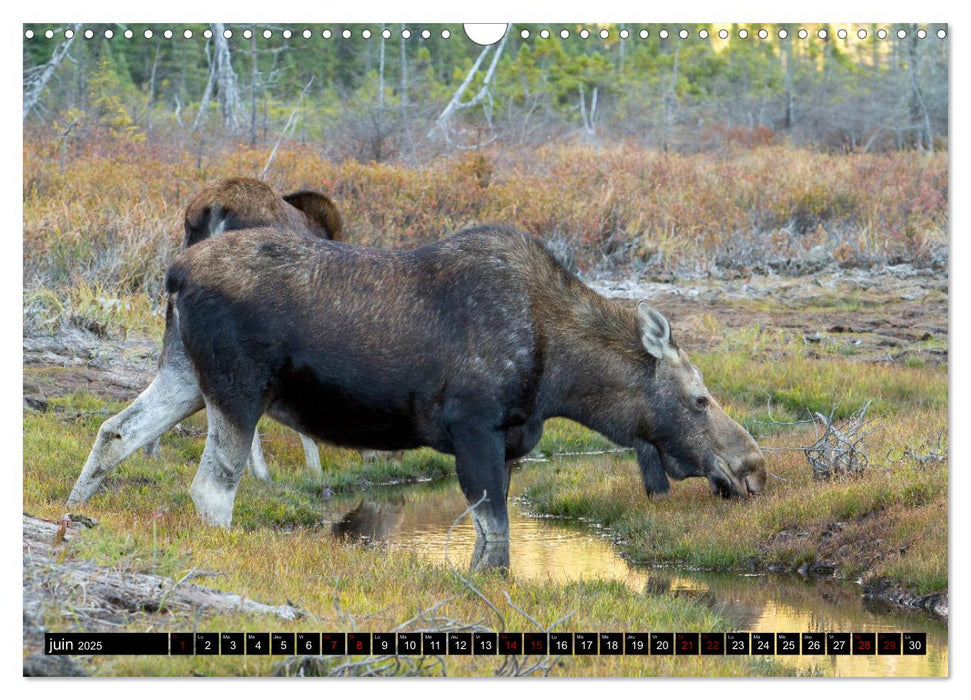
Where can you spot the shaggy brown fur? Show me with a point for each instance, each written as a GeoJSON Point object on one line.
{"type": "Point", "coordinates": [238, 203]}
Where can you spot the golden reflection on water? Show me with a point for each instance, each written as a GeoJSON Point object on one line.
{"type": "Point", "coordinates": [557, 551]}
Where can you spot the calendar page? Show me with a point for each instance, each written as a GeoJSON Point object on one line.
{"type": "Point", "coordinates": [476, 350]}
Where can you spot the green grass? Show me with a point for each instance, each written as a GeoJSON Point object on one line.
{"type": "Point", "coordinates": [798, 385]}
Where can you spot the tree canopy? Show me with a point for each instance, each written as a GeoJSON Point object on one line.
{"type": "Point", "coordinates": [376, 92]}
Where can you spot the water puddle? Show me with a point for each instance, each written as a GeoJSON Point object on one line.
{"type": "Point", "coordinates": [419, 518]}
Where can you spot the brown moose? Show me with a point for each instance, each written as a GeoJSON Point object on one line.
{"type": "Point", "coordinates": [466, 345]}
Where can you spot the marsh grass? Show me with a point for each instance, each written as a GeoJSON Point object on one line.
{"type": "Point", "coordinates": [115, 222]}
{"type": "Point", "coordinates": [281, 550]}
{"type": "Point", "coordinates": [887, 523]}
{"type": "Point", "coordinates": [890, 523]}
{"type": "Point", "coordinates": [897, 508]}
{"type": "Point", "coordinates": [795, 385]}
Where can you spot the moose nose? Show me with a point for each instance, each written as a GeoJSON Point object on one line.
{"type": "Point", "coordinates": [754, 469]}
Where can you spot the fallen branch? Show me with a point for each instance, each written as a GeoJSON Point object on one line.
{"type": "Point", "coordinates": [101, 595]}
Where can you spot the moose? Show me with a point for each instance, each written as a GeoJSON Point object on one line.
{"type": "Point", "coordinates": [466, 345]}
{"type": "Point", "coordinates": [238, 203]}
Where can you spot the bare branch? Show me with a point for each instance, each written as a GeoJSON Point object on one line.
{"type": "Point", "coordinates": [286, 129]}
{"type": "Point", "coordinates": [456, 103]}
{"type": "Point", "coordinates": [39, 77]}
{"type": "Point", "coordinates": [839, 450]}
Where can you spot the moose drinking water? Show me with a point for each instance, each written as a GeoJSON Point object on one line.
{"type": "Point", "coordinates": [466, 345]}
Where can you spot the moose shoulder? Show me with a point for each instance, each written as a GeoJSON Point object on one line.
{"type": "Point", "coordinates": [467, 346]}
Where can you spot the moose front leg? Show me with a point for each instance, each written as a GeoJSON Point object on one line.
{"type": "Point", "coordinates": [652, 470]}
{"type": "Point", "coordinates": [484, 478]}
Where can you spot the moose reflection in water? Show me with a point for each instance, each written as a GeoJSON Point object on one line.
{"type": "Point", "coordinates": [371, 521]}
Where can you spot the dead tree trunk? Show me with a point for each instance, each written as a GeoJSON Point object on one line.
{"type": "Point", "coordinates": [920, 119]}
{"type": "Point", "coordinates": [456, 104]}
{"type": "Point", "coordinates": [788, 117]}
{"type": "Point", "coordinates": [34, 84]}
{"type": "Point", "coordinates": [222, 78]}
{"type": "Point", "coordinates": [403, 88]}
{"type": "Point", "coordinates": [587, 115]}
{"type": "Point", "coordinates": [671, 98]}
{"type": "Point", "coordinates": [152, 97]}
{"type": "Point", "coordinates": [96, 595]}
{"type": "Point", "coordinates": [253, 77]}
{"type": "Point", "coordinates": [381, 73]}
{"type": "Point", "coordinates": [226, 83]}
{"type": "Point", "coordinates": [207, 93]}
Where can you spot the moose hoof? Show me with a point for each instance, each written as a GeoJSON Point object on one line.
{"type": "Point", "coordinates": [213, 507]}
{"type": "Point", "coordinates": [491, 556]}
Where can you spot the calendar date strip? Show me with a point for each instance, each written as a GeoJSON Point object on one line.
{"type": "Point", "coordinates": [485, 643]}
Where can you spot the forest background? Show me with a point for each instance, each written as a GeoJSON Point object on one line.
{"type": "Point", "coordinates": [652, 150]}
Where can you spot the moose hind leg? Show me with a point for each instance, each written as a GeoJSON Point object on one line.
{"type": "Point", "coordinates": [312, 453]}
{"type": "Point", "coordinates": [172, 395]}
{"type": "Point", "coordinates": [152, 449]}
{"type": "Point", "coordinates": [257, 462]}
{"type": "Point", "coordinates": [228, 444]}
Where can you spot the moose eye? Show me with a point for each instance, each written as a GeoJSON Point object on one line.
{"type": "Point", "coordinates": [701, 403]}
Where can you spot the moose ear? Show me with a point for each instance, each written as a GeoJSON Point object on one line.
{"type": "Point", "coordinates": [655, 330]}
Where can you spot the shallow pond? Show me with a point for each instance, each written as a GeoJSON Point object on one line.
{"type": "Point", "coordinates": [421, 518]}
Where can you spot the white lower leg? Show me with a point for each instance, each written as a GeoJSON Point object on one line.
{"type": "Point", "coordinates": [171, 396]}
{"type": "Point", "coordinates": [257, 463]}
{"type": "Point", "coordinates": [312, 454]}
{"type": "Point", "coordinates": [222, 466]}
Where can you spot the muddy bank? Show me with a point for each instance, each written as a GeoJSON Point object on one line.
{"type": "Point", "coordinates": [884, 592]}
{"type": "Point", "coordinates": [851, 545]}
